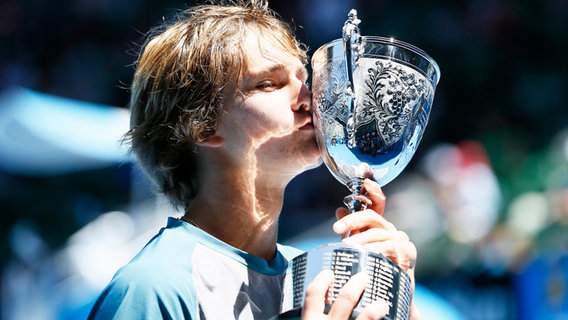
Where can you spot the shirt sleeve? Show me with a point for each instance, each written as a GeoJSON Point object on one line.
{"type": "Point", "coordinates": [140, 295]}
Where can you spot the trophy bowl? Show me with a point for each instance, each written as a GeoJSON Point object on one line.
{"type": "Point", "coordinates": [372, 97]}
{"type": "Point", "coordinates": [370, 126]}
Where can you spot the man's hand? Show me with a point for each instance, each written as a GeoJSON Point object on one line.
{"type": "Point", "coordinates": [347, 300]}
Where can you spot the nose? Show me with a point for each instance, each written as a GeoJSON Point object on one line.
{"type": "Point", "coordinates": [304, 102]}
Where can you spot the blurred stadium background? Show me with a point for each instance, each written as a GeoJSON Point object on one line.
{"type": "Point", "coordinates": [485, 198]}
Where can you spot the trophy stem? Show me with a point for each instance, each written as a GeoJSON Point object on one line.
{"type": "Point", "coordinates": [355, 201]}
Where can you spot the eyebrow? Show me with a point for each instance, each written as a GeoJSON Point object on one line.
{"type": "Point", "coordinates": [278, 67]}
{"type": "Point", "coordinates": [269, 69]}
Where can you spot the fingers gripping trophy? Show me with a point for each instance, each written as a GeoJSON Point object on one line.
{"type": "Point", "coordinates": [372, 98]}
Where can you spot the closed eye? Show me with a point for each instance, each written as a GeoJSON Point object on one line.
{"type": "Point", "coordinates": [267, 85]}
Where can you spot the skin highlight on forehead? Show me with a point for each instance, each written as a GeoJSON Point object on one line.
{"type": "Point", "coordinates": [275, 54]}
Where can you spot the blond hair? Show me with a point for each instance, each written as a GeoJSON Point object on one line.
{"type": "Point", "coordinates": [177, 89]}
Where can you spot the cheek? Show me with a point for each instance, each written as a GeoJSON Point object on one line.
{"type": "Point", "coordinates": [258, 117]}
{"type": "Point", "coordinates": [252, 128]}
{"type": "Point", "coordinates": [269, 119]}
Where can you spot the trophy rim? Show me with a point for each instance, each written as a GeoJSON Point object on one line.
{"type": "Point", "coordinates": [433, 75]}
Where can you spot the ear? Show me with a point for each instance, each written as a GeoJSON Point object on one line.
{"type": "Point", "coordinates": [213, 141]}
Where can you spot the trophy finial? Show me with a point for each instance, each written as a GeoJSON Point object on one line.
{"type": "Point", "coordinates": [352, 34]}
{"type": "Point", "coordinates": [352, 24]}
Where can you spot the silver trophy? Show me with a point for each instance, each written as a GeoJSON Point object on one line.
{"type": "Point", "coordinates": [372, 98]}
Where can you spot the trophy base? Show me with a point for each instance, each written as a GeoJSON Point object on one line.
{"type": "Point", "coordinates": [387, 280]}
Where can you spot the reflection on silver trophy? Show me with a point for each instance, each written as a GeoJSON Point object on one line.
{"type": "Point", "coordinates": [372, 98]}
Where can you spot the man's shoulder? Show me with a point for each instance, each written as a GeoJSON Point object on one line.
{"type": "Point", "coordinates": [150, 271]}
{"type": "Point", "coordinates": [142, 290]}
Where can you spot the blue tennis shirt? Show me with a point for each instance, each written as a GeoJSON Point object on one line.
{"type": "Point", "coordinates": [185, 273]}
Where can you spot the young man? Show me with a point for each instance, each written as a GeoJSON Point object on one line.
{"type": "Point", "coordinates": [221, 122]}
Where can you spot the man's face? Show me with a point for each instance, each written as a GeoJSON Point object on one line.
{"type": "Point", "coordinates": [268, 116]}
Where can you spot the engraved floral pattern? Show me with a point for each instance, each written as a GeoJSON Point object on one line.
{"type": "Point", "coordinates": [390, 99]}
{"type": "Point", "coordinates": [329, 97]}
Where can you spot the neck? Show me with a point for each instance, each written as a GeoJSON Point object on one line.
{"type": "Point", "coordinates": [240, 211]}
